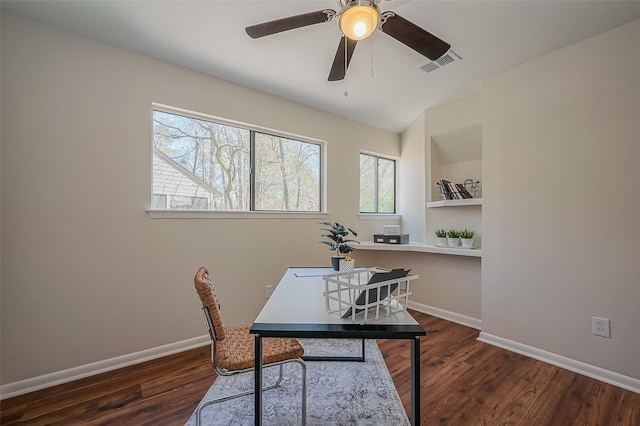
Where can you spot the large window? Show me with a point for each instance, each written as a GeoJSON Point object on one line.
{"type": "Point", "coordinates": [200, 164]}
{"type": "Point", "coordinates": [377, 184]}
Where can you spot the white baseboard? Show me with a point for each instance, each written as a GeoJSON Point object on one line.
{"type": "Point", "coordinates": [607, 376]}
{"type": "Point", "coordinates": [447, 315]}
{"type": "Point", "coordinates": [613, 378]}
{"type": "Point", "coordinates": [41, 382]}
{"type": "Point", "coordinates": [36, 383]}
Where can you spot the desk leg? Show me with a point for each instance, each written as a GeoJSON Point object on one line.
{"type": "Point", "coordinates": [258, 380]}
{"type": "Point", "coordinates": [415, 381]}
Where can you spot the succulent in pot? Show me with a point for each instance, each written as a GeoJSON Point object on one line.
{"type": "Point", "coordinates": [441, 237]}
{"type": "Point", "coordinates": [453, 237]}
{"type": "Point", "coordinates": [467, 233]}
{"type": "Point", "coordinates": [466, 237]}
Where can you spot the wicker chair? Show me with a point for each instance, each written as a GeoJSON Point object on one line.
{"type": "Point", "coordinates": [232, 348]}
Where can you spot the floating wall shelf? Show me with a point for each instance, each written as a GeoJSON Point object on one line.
{"type": "Point", "coordinates": [455, 203]}
{"type": "Point", "coordinates": [419, 247]}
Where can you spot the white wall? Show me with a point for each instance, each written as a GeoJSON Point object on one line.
{"type": "Point", "coordinates": [447, 283]}
{"type": "Point", "coordinates": [560, 208]}
{"type": "Point", "coordinates": [411, 181]}
{"type": "Point", "coordinates": [87, 275]}
{"type": "Point", "coordinates": [448, 287]}
{"type": "Point", "coordinates": [561, 201]}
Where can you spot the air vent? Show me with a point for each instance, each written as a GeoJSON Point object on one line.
{"type": "Point", "coordinates": [443, 60]}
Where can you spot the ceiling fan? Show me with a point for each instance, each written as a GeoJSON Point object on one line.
{"type": "Point", "coordinates": [358, 19]}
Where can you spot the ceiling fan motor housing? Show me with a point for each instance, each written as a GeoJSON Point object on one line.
{"type": "Point", "coordinates": [359, 18]}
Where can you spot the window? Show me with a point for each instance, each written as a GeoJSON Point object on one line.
{"type": "Point", "coordinates": [377, 184]}
{"type": "Point", "coordinates": [201, 164]}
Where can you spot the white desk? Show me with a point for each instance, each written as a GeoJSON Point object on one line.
{"type": "Point", "coordinates": [297, 309]}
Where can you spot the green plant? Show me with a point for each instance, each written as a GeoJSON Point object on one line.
{"type": "Point", "coordinates": [453, 233]}
{"type": "Point", "coordinates": [338, 237]}
{"type": "Point", "coordinates": [441, 233]}
{"type": "Point", "coordinates": [467, 233]}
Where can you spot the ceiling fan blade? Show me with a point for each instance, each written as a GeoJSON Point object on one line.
{"type": "Point", "coordinates": [410, 34]}
{"type": "Point", "coordinates": [338, 69]}
{"type": "Point", "coordinates": [290, 23]}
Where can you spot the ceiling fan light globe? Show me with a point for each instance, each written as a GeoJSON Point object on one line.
{"type": "Point", "coordinates": [359, 22]}
{"type": "Point", "coordinates": [359, 29]}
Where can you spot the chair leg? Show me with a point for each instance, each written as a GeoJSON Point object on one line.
{"type": "Point", "coordinates": [214, 401]}
{"type": "Point", "coordinates": [225, 373]}
{"type": "Point", "coordinates": [303, 365]}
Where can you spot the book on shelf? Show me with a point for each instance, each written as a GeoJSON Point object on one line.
{"type": "Point", "coordinates": [463, 191]}
{"type": "Point", "coordinates": [448, 190]}
{"type": "Point", "coordinates": [453, 191]}
{"type": "Point", "coordinates": [444, 190]}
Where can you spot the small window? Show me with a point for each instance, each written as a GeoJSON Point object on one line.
{"type": "Point", "coordinates": [201, 164]}
{"type": "Point", "coordinates": [377, 184]}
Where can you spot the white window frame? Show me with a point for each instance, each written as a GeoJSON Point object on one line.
{"type": "Point", "coordinates": [383, 215]}
{"type": "Point", "coordinates": [211, 214]}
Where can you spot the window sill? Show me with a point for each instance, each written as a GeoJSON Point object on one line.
{"type": "Point", "coordinates": [379, 216]}
{"type": "Point", "coordinates": [205, 214]}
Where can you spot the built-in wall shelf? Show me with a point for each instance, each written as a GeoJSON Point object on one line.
{"type": "Point", "coordinates": [455, 203]}
{"type": "Point", "coordinates": [419, 247]}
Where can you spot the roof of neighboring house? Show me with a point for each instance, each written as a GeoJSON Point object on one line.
{"type": "Point", "coordinates": [170, 177]}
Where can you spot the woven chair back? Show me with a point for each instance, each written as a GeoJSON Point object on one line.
{"type": "Point", "coordinates": [207, 294]}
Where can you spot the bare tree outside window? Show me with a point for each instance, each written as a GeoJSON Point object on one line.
{"type": "Point", "coordinates": [207, 166]}
{"type": "Point", "coordinates": [386, 186]}
{"type": "Point", "coordinates": [377, 184]}
{"type": "Point", "coordinates": [368, 177]}
{"type": "Point", "coordinates": [287, 174]}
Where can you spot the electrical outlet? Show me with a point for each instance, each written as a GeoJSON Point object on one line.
{"type": "Point", "coordinates": [601, 326]}
{"type": "Point", "coordinates": [268, 290]}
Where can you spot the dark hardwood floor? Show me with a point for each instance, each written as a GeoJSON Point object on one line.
{"type": "Point", "coordinates": [465, 382]}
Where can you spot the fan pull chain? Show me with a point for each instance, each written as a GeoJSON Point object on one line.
{"type": "Point", "coordinates": [371, 37]}
{"type": "Point", "coordinates": [346, 92]}
{"type": "Point", "coordinates": [371, 57]}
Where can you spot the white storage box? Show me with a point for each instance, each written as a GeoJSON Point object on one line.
{"type": "Point", "coordinates": [348, 294]}
{"type": "Point", "coordinates": [391, 229]}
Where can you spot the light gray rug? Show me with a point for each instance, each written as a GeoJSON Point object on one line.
{"type": "Point", "coordinates": [338, 393]}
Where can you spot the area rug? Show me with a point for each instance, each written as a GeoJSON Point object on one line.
{"type": "Point", "coordinates": [338, 393]}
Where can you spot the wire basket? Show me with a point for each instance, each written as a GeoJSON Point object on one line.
{"type": "Point", "coordinates": [471, 186]}
{"type": "Point", "coordinates": [348, 295]}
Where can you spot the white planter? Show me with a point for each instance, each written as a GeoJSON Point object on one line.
{"type": "Point", "coordinates": [453, 242]}
{"type": "Point", "coordinates": [467, 242]}
{"type": "Point", "coordinates": [346, 265]}
{"type": "Point", "coordinates": [442, 241]}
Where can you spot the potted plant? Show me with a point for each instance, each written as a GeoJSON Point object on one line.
{"type": "Point", "coordinates": [466, 237]}
{"type": "Point", "coordinates": [453, 237]}
{"type": "Point", "coordinates": [339, 240]}
{"type": "Point", "coordinates": [441, 236]}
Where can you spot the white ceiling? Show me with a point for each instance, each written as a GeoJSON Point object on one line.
{"type": "Point", "coordinates": [385, 85]}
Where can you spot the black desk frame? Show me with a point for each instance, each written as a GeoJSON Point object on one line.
{"type": "Point", "coordinates": [341, 331]}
